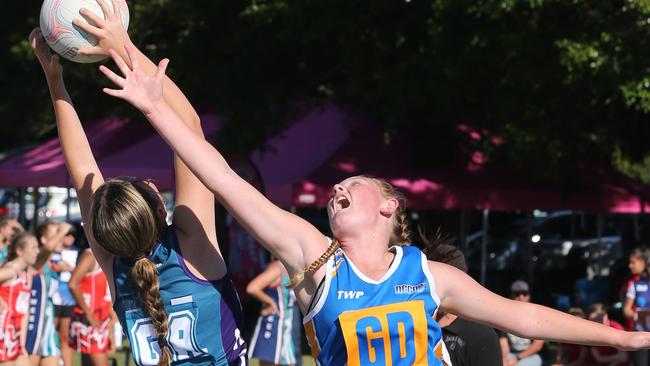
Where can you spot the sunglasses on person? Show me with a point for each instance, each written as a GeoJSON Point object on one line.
{"type": "Point", "coordinates": [520, 293]}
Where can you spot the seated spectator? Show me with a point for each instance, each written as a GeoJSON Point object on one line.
{"type": "Point", "coordinates": [606, 356]}
{"type": "Point", "coordinates": [519, 351]}
{"type": "Point", "coordinates": [572, 354]}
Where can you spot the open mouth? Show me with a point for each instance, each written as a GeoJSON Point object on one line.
{"type": "Point", "coordinates": [341, 203]}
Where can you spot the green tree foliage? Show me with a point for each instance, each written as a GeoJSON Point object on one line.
{"type": "Point", "coordinates": [557, 80]}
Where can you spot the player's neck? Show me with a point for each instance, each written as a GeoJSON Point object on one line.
{"type": "Point", "coordinates": [371, 260]}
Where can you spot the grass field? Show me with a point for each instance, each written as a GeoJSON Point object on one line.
{"type": "Point", "coordinates": [120, 358]}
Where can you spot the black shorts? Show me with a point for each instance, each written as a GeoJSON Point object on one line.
{"type": "Point", "coordinates": [63, 311]}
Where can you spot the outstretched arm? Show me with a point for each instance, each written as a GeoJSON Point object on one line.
{"type": "Point", "coordinates": [51, 245]}
{"type": "Point", "coordinates": [194, 210]}
{"type": "Point", "coordinates": [288, 237]}
{"type": "Point", "coordinates": [463, 296]}
{"type": "Point", "coordinates": [79, 158]}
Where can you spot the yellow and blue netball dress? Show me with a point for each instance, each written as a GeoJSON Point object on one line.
{"type": "Point", "coordinates": [205, 317]}
{"type": "Point", "coordinates": [358, 321]}
{"type": "Point", "coordinates": [273, 339]}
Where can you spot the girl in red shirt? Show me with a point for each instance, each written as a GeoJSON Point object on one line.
{"type": "Point", "coordinates": [15, 286]}
{"type": "Point", "coordinates": [93, 319]}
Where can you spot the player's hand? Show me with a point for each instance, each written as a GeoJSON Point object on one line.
{"type": "Point", "coordinates": [49, 61]}
{"type": "Point", "coordinates": [94, 322]}
{"type": "Point", "coordinates": [109, 31]}
{"type": "Point", "coordinates": [269, 309]}
{"type": "Point", "coordinates": [139, 89]}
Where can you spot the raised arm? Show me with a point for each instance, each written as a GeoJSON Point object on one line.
{"type": "Point", "coordinates": [50, 245]}
{"type": "Point", "coordinates": [461, 295]}
{"type": "Point", "coordinates": [194, 215]}
{"type": "Point", "coordinates": [79, 158]}
{"type": "Point", "coordinates": [288, 237]}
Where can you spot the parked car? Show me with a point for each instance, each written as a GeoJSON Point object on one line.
{"type": "Point", "coordinates": [10, 201]}
{"type": "Point", "coordinates": [60, 204]}
{"type": "Point", "coordinates": [554, 239]}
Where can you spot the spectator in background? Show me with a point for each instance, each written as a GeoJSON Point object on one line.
{"type": "Point", "coordinates": [8, 228]}
{"type": "Point", "coordinates": [273, 342]}
{"type": "Point", "coordinates": [572, 354]}
{"type": "Point", "coordinates": [91, 330]}
{"type": "Point", "coordinates": [468, 343]}
{"type": "Point", "coordinates": [63, 263]}
{"type": "Point", "coordinates": [607, 356]}
{"type": "Point", "coordinates": [15, 285]}
{"type": "Point", "coordinates": [637, 298]}
{"type": "Point", "coordinates": [516, 350]}
{"type": "Point", "coordinates": [637, 264]}
{"type": "Point", "coordinates": [42, 343]}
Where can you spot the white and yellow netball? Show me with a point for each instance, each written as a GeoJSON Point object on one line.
{"type": "Point", "coordinates": [65, 38]}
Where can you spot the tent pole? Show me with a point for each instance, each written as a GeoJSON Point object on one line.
{"type": "Point", "coordinates": [463, 231]}
{"type": "Point", "coordinates": [529, 246]}
{"type": "Point", "coordinates": [21, 206]}
{"type": "Point", "coordinates": [599, 229]}
{"type": "Point", "coordinates": [486, 217]}
{"type": "Point", "coordinates": [67, 205]}
{"type": "Point", "coordinates": [36, 197]}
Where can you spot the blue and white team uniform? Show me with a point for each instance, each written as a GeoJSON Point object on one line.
{"type": "Point", "coordinates": [639, 291]}
{"type": "Point", "coordinates": [63, 299]}
{"type": "Point", "coordinates": [359, 321]}
{"type": "Point", "coordinates": [42, 338]}
{"type": "Point", "coordinates": [3, 252]}
{"type": "Point", "coordinates": [205, 317]}
{"type": "Point", "coordinates": [274, 337]}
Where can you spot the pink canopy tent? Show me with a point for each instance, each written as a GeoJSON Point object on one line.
{"type": "Point", "coordinates": [475, 185]}
{"type": "Point", "coordinates": [134, 148]}
{"type": "Point", "coordinates": [296, 152]}
{"type": "Point", "coordinates": [121, 147]}
{"type": "Point", "coordinates": [322, 147]}
{"type": "Point", "coordinates": [151, 157]}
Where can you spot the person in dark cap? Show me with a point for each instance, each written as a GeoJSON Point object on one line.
{"type": "Point", "coordinates": [516, 350]}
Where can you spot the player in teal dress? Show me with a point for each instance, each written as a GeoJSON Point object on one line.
{"type": "Point", "coordinates": [169, 284]}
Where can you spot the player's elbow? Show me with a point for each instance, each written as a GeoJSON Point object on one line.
{"type": "Point", "coordinates": [251, 289]}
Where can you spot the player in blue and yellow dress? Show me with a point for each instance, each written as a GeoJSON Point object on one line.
{"type": "Point", "coordinates": [361, 321]}
{"type": "Point", "coordinates": [392, 325]}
